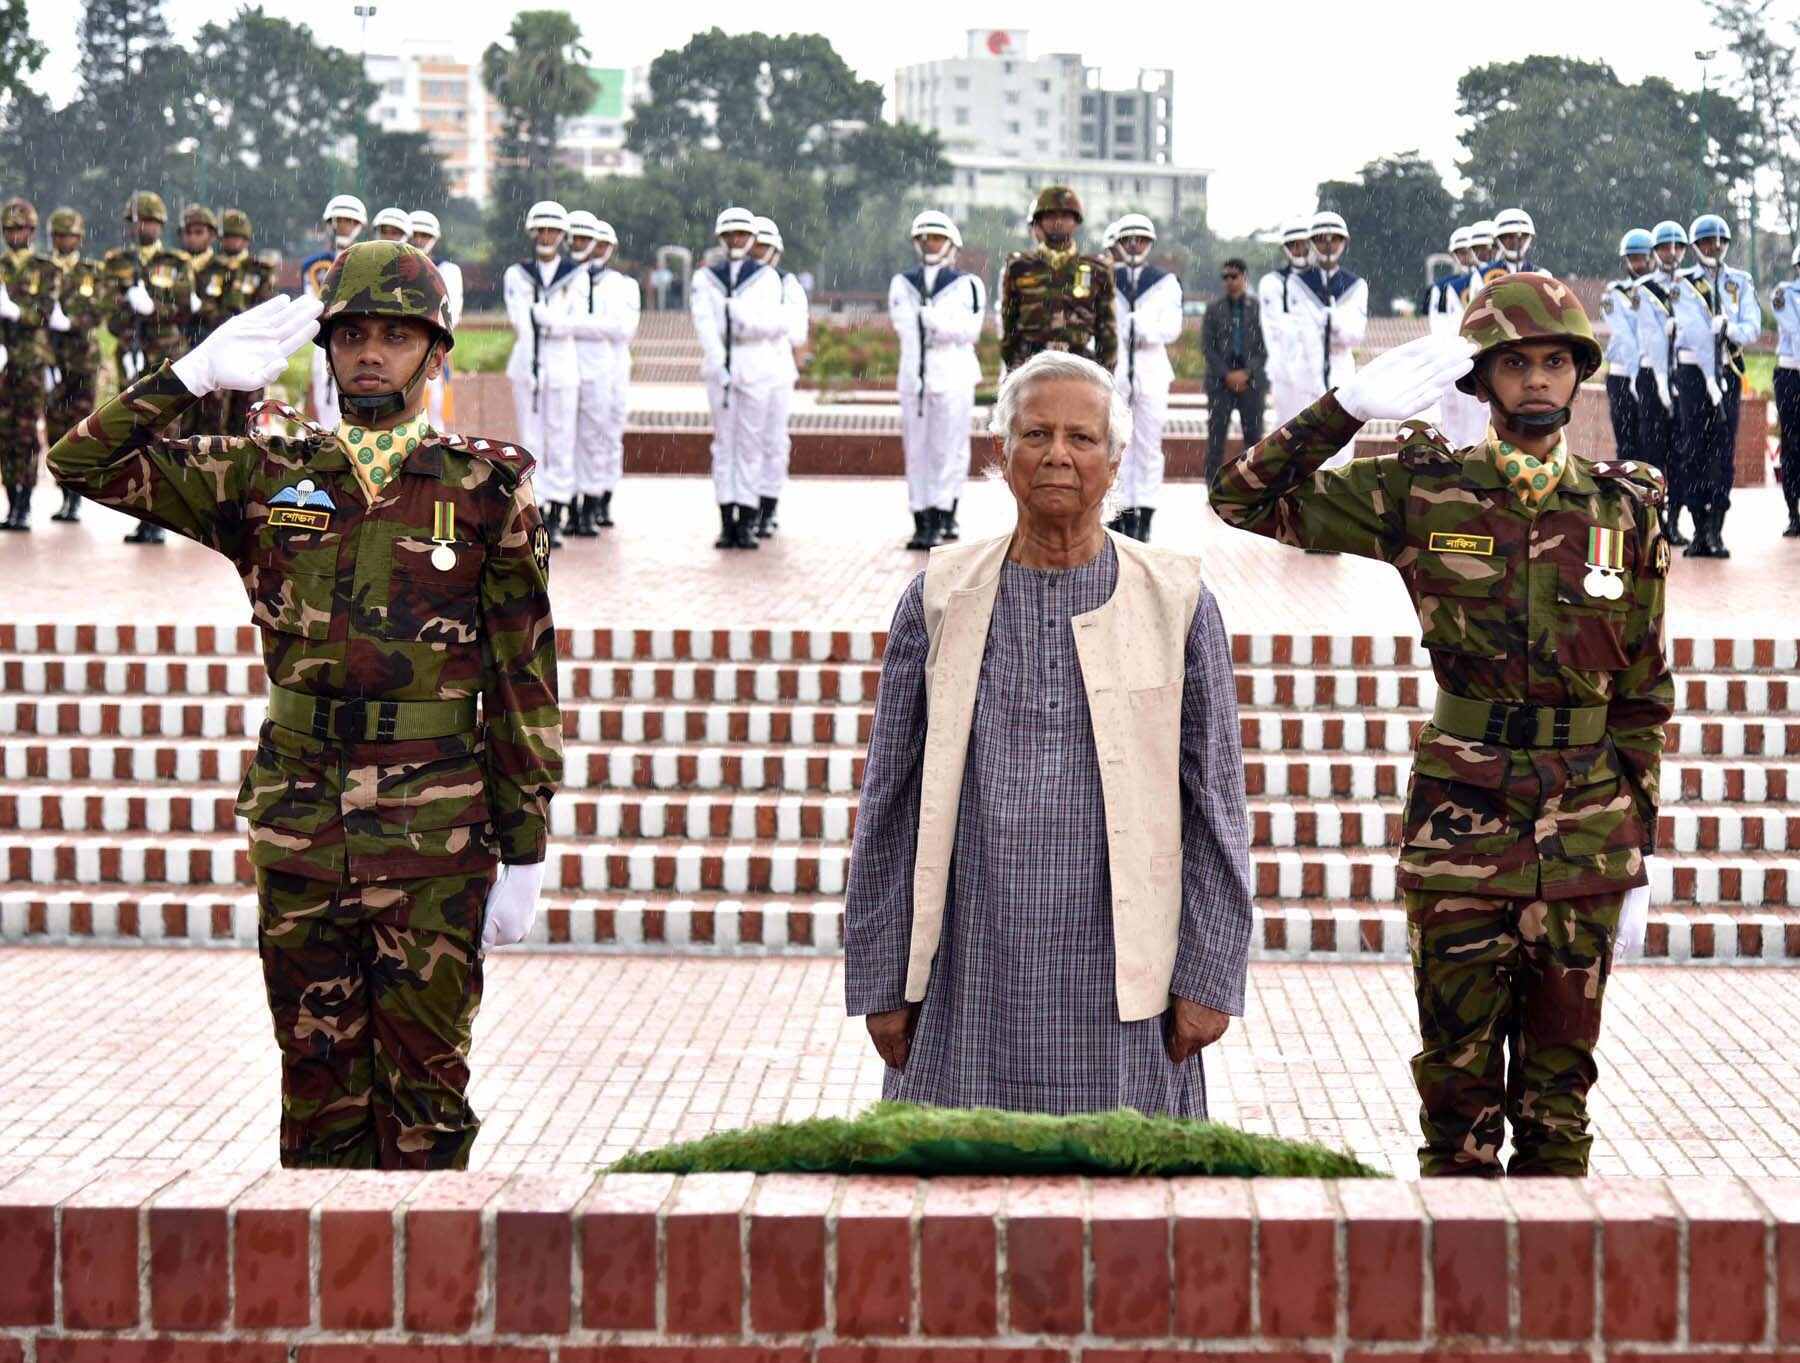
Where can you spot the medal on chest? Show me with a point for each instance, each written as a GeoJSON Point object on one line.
{"type": "Point", "coordinates": [1606, 564]}
{"type": "Point", "coordinates": [443, 530]}
{"type": "Point", "coordinates": [1084, 281]}
{"type": "Point", "coordinates": [87, 287]}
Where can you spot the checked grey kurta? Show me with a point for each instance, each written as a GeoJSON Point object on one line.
{"type": "Point", "coordinates": [1021, 1011]}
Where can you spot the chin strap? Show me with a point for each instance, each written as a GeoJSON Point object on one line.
{"type": "Point", "coordinates": [379, 406]}
{"type": "Point", "coordinates": [1529, 423]}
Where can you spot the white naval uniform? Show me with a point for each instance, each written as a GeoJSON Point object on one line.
{"type": "Point", "coordinates": [607, 306]}
{"type": "Point", "coordinates": [1462, 417]}
{"type": "Point", "coordinates": [777, 444]}
{"type": "Point", "coordinates": [451, 273]}
{"type": "Point", "coordinates": [937, 312]}
{"type": "Point", "coordinates": [1143, 374]}
{"type": "Point", "coordinates": [740, 324]}
{"type": "Point", "coordinates": [1278, 294]}
{"type": "Point", "coordinates": [1338, 303]}
{"type": "Point", "coordinates": [545, 403]}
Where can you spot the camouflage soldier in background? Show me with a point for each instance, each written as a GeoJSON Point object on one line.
{"type": "Point", "coordinates": [1538, 577]}
{"type": "Point", "coordinates": [398, 577]}
{"type": "Point", "coordinates": [1054, 298]}
{"type": "Point", "coordinates": [74, 329]}
{"type": "Point", "coordinates": [199, 232]}
{"type": "Point", "coordinates": [27, 299]}
{"type": "Point", "coordinates": [229, 281]}
{"type": "Point", "coordinates": [151, 301]}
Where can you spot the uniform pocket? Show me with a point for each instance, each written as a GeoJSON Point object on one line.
{"type": "Point", "coordinates": [1590, 630]}
{"type": "Point", "coordinates": [429, 604]}
{"type": "Point", "coordinates": [1596, 810]}
{"type": "Point", "coordinates": [291, 783]}
{"type": "Point", "coordinates": [1456, 800]}
{"type": "Point", "coordinates": [1462, 604]}
{"type": "Point", "coordinates": [293, 572]}
{"type": "Point", "coordinates": [432, 789]}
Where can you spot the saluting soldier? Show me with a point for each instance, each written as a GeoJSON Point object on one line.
{"type": "Point", "coordinates": [1054, 298]}
{"type": "Point", "coordinates": [229, 282]}
{"type": "Point", "coordinates": [28, 281]}
{"type": "Point", "coordinates": [74, 329]}
{"type": "Point", "coordinates": [414, 737]}
{"type": "Point", "coordinates": [1538, 577]}
{"type": "Point", "coordinates": [152, 301]}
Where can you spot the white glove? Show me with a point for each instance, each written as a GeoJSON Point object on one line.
{"type": "Point", "coordinates": [1712, 390]}
{"type": "Point", "coordinates": [58, 320]}
{"type": "Point", "coordinates": [1407, 379]}
{"type": "Point", "coordinates": [512, 904]}
{"type": "Point", "coordinates": [1668, 398]}
{"type": "Point", "coordinates": [1669, 326]}
{"type": "Point", "coordinates": [2, 359]}
{"type": "Point", "coordinates": [1634, 923]}
{"type": "Point", "coordinates": [139, 298]}
{"type": "Point", "coordinates": [1719, 324]}
{"type": "Point", "coordinates": [251, 350]}
{"type": "Point", "coordinates": [9, 310]}
{"type": "Point", "coordinates": [193, 302]}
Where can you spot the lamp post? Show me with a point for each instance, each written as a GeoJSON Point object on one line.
{"type": "Point", "coordinates": [364, 13]}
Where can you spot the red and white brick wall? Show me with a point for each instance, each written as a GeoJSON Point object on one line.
{"type": "Point", "coordinates": [322, 1267]}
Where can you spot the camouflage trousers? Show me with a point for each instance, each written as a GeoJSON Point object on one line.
{"type": "Point", "coordinates": [373, 990]}
{"type": "Point", "coordinates": [70, 400]}
{"type": "Point", "coordinates": [21, 404]}
{"type": "Point", "coordinates": [1509, 995]}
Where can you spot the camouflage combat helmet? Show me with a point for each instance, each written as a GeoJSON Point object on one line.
{"type": "Point", "coordinates": [18, 213]}
{"type": "Point", "coordinates": [66, 220]}
{"type": "Point", "coordinates": [197, 213]}
{"type": "Point", "coordinates": [385, 279]}
{"type": "Point", "coordinates": [236, 223]}
{"type": "Point", "coordinates": [1528, 307]}
{"type": "Point", "coordinates": [145, 206]}
{"type": "Point", "coordinates": [1056, 199]}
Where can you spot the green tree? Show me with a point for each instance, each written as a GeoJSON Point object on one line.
{"type": "Point", "coordinates": [267, 102]}
{"type": "Point", "coordinates": [20, 53]}
{"type": "Point", "coordinates": [1589, 156]}
{"type": "Point", "coordinates": [539, 78]}
{"type": "Point", "coordinates": [403, 169]}
{"type": "Point", "coordinates": [133, 82]}
{"type": "Point", "coordinates": [1399, 212]}
{"type": "Point", "coordinates": [1766, 82]}
{"type": "Point", "coordinates": [789, 104]}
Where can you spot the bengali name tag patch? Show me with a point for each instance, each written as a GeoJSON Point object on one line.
{"type": "Point", "coordinates": [300, 518]}
{"type": "Point", "coordinates": [1442, 543]}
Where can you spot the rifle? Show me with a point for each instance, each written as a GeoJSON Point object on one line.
{"type": "Point", "coordinates": [1131, 353]}
{"type": "Point", "coordinates": [1327, 279]}
{"type": "Point", "coordinates": [920, 319]}
{"type": "Point", "coordinates": [536, 330]}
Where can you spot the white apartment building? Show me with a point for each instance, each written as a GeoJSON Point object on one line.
{"type": "Point", "coordinates": [1108, 189]}
{"type": "Point", "coordinates": [424, 87]}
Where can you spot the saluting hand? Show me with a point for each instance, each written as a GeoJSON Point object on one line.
{"type": "Point", "coordinates": [1407, 379]}
{"type": "Point", "coordinates": [251, 350]}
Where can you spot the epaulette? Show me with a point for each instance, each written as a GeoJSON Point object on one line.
{"type": "Point", "coordinates": [1644, 481]}
{"type": "Point", "coordinates": [1423, 447]}
{"type": "Point", "coordinates": [272, 434]}
{"type": "Point", "coordinates": [513, 462]}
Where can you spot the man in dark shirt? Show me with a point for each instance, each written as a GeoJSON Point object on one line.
{"type": "Point", "coordinates": [1237, 378]}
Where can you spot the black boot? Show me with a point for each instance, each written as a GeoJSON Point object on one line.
{"type": "Point", "coordinates": [1144, 513]}
{"type": "Point", "coordinates": [925, 532]}
{"type": "Point", "coordinates": [766, 524]}
{"type": "Point", "coordinates": [579, 523]}
{"type": "Point", "coordinates": [603, 511]}
{"type": "Point", "coordinates": [145, 533]}
{"type": "Point", "coordinates": [1793, 525]}
{"type": "Point", "coordinates": [22, 510]}
{"type": "Point", "coordinates": [1716, 525]}
{"type": "Point", "coordinates": [1125, 523]}
{"type": "Point", "coordinates": [744, 535]}
{"type": "Point", "coordinates": [727, 527]}
{"type": "Point", "coordinates": [71, 507]}
{"type": "Point", "coordinates": [11, 520]}
{"type": "Point", "coordinates": [1698, 546]}
{"type": "Point", "coordinates": [1672, 529]}
{"type": "Point", "coordinates": [553, 523]}
{"type": "Point", "coordinates": [948, 530]}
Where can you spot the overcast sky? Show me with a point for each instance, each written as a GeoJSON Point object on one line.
{"type": "Point", "coordinates": [1271, 98]}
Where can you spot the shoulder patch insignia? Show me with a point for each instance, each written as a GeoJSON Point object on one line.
{"type": "Point", "coordinates": [540, 549]}
{"type": "Point", "coordinates": [515, 462]}
{"type": "Point", "coordinates": [1639, 479]}
{"type": "Point", "coordinates": [1660, 556]}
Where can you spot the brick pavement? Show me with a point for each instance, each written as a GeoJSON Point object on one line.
{"type": "Point", "coordinates": [579, 1059]}
{"type": "Point", "coordinates": [838, 563]}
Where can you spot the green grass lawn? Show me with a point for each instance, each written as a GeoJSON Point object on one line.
{"type": "Point", "coordinates": [903, 1138]}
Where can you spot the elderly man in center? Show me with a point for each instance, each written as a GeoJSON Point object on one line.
{"type": "Point", "coordinates": [1049, 898]}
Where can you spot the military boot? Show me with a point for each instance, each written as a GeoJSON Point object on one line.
{"type": "Point", "coordinates": [727, 527]}
{"type": "Point", "coordinates": [580, 521]}
{"type": "Point", "coordinates": [925, 533]}
{"type": "Point", "coordinates": [1125, 523]}
{"type": "Point", "coordinates": [22, 510]}
{"type": "Point", "coordinates": [1700, 546]}
{"type": "Point", "coordinates": [553, 523]}
{"type": "Point", "coordinates": [603, 511]}
{"type": "Point", "coordinates": [744, 533]}
{"type": "Point", "coordinates": [145, 533]}
{"type": "Point", "coordinates": [766, 524]}
{"type": "Point", "coordinates": [948, 530]}
{"type": "Point", "coordinates": [1144, 513]}
{"type": "Point", "coordinates": [1672, 527]}
{"type": "Point", "coordinates": [71, 507]}
{"type": "Point", "coordinates": [1718, 533]}
{"type": "Point", "coordinates": [11, 521]}
{"type": "Point", "coordinates": [1793, 525]}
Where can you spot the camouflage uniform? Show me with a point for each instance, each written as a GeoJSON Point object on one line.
{"type": "Point", "coordinates": [1057, 300]}
{"type": "Point", "coordinates": [168, 277]}
{"type": "Point", "coordinates": [30, 278]}
{"type": "Point", "coordinates": [1533, 798]}
{"type": "Point", "coordinates": [75, 353]}
{"type": "Point", "coordinates": [377, 805]}
{"type": "Point", "coordinates": [228, 285]}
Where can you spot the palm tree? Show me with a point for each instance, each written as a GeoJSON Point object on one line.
{"type": "Point", "coordinates": [539, 76]}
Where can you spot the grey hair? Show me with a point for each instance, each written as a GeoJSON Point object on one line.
{"type": "Point", "coordinates": [1060, 364]}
